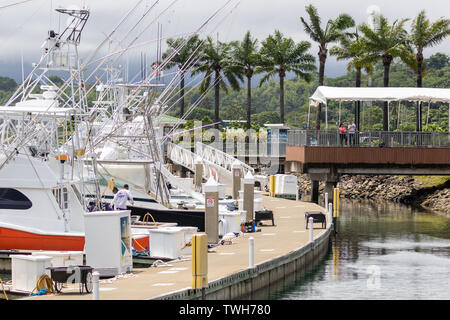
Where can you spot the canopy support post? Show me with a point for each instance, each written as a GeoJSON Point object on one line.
{"type": "Point", "coordinates": [326, 116]}
{"type": "Point", "coordinates": [388, 116]}
{"type": "Point", "coordinates": [428, 114]}
{"type": "Point", "coordinates": [398, 114]}
{"type": "Point", "coordinates": [309, 113]}
{"type": "Point", "coordinates": [340, 104]}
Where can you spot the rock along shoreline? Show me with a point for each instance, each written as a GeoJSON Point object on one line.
{"type": "Point", "coordinates": [427, 192]}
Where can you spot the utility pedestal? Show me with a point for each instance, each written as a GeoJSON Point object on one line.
{"type": "Point", "coordinates": [237, 177]}
{"type": "Point", "coordinates": [211, 189]}
{"type": "Point", "coordinates": [198, 174]}
{"type": "Point", "coordinates": [249, 195]}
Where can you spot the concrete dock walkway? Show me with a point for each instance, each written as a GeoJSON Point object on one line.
{"type": "Point", "coordinates": [288, 234]}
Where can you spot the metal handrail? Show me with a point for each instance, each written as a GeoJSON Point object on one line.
{"type": "Point", "coordinates": [369, 139]}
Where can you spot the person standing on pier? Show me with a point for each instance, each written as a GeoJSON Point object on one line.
{"type": "Point", "coordinates": [342, 135]}
{"type": "Point", "coordinates": [351, 133]}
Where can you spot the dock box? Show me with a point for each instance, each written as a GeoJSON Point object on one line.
{"type": "Point", "coordinates": [26, 270]}
{"type": "Point", "coordinates": [108, 242]}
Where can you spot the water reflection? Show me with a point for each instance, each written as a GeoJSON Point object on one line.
{"type": "Point", "coordinates": [382, 251]}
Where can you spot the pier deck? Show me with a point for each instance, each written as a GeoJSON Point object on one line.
{"type": "Point", "coordinates": [288, 234]}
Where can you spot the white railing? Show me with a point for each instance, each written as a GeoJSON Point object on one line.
{"type": "Point", "coordinates": [214, 162]}
{"type": "Point", "coordinates": [220, 158]}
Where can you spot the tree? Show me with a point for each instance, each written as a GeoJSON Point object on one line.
{"type": "Point", "coordinates": [438, 61]}
{"type": "Point", "coordinates": [7, 84]}
{"type": "Point", "coordinates": [332, 32]}
{"type": "Point", "coordinates": [214, 60]}
{"type": "Point", "coordinates": [184, 59]}
{"type": "Point", "coordinates": [425, 34]}
{"type": "Point", "coordinates": [246, 57]}
{"type": "Point", "coordinates": [352, 48]}
{"type": "Point", "coordinates": [385, 42]}
{"type": "Point", "coordinates": [280, 55]}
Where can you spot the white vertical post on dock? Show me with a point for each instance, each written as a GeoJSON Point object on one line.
{"type": "Point", "coordinates": [251, 252]}
{"type": "Point", "coordinates": [330, 213]}
{"type": "Point", "coordinates": [96, 285]}
{"type": "Point", "coordinates": [311, 229]}
{"type": "Point", "coordinates": [326, 200]}
{"type": "Point", "coordinates": [296, 193]}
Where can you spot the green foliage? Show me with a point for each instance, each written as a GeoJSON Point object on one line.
{"type": "Point", "coordinates": [434, 127]}
{"type": "Point", "coordinates": [266, 117]}
{"type": "Point", "coordinates": [438, 61]}
{"type": "Point", "coordinates": [56, 80]}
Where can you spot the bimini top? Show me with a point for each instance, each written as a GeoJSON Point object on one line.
{"type": "Point", "coordinates": [323, 94]}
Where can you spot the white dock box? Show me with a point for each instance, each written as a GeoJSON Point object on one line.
{"type": "Point", "coordinates": [231, 222]}
{"type": "Point", "coordinates": [26, 270]}
{"type": "Point", "coordinates": [188, 233]}
{"type": "Point", "coordinates": [108, 242]}
{"type": "Point", "coordinates": [167, 242]}
{"type": "Point", "coordinates": [62, 258]}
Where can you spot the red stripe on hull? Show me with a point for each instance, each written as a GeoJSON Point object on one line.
{"type": "Point", "coordinates": [21, 240]}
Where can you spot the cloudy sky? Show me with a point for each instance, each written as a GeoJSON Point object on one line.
{"type": "Point", "coordinates": [23, 27]}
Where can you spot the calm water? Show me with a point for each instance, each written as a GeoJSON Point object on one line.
{"type": "Point", "coordinates": [382, 251]}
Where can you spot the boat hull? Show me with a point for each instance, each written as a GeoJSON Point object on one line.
{"type": "Point", "coordinates": [23, 240]}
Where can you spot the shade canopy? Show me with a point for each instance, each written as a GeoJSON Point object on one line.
{"type": "Point", "coordinates": [323, 94]}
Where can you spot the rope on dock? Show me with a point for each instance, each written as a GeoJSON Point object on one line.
{"type": "Point", "coordinates": [44, 282]}
{"type": "Point", "coordinates": [3, 287]}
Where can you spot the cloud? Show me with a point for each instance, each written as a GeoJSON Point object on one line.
{"type": "Point", "coordinates": [24, 27]}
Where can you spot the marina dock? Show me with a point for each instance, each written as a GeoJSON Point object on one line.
{"type": "Point", "coordinates": [279, 250]}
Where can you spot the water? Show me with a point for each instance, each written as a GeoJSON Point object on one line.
{"type": "Point", "coordinates": [382, 251]}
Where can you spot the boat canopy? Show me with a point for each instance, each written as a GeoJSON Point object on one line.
{"type": "Point", "coordinates": [323, 94]}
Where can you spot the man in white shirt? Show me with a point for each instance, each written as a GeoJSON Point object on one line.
{"type": "Point", "coordinates": [351, 133]}
{"type": "Point", "coordinates": [120, 199]}
{"type": "Point", "coordinates": [127, 189]}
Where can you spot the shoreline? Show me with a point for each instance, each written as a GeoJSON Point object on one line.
{"type": "Point", "coordinates": [431, 193]}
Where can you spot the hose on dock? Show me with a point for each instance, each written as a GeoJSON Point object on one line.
{"type": "Point", "coordinates": [3, 287]}
{"type": "Point", "coordinates": [44, 282]}
{"type": "Point", "coordinates": [144, 220]}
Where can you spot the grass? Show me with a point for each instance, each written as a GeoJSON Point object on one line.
{"type": "Point", "coordinates": [431, 181]}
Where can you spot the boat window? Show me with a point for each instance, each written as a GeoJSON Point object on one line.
{"type": "Point", "coordinates": [14, 199]}
{"type": "Point", "coordinates": [62, 197]}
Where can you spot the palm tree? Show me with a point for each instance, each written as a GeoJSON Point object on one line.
{"type": "Point", "coordinates": [280, 55]}
{"type": "Point", "coordinates": [332, 32]}
{"type": "Point", "coordinates": [187, 53]}
{"type": "Point", "coordinates": [352, 48]}
{"type": "Point", "coordinates": [385, 42]}
{"type": "Point", "coordinates": [214, 61]}
{"type": "Point", "coordinates": [246, 57]}
{"type": "Point", "coordinates": [425, 34]}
